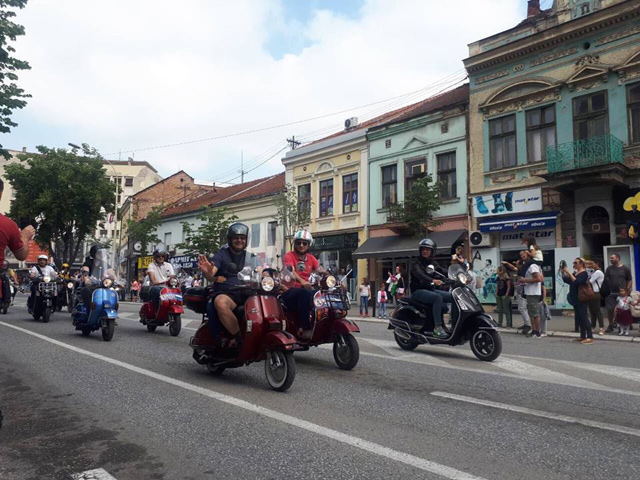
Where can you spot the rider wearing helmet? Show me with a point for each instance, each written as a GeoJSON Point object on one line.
{"type": "Point", "coordinates": [65, 271]}
{"type": "Point", "coordinates": [159, 271]}
{"type": "Point", "coordinates": [222, 270]}
{"type": "Point", "coordinates": [423, 285]}
{"type": "Point", "coordinates": [96, 264]}
{"type": "Point", "coordinates": [8, 275]}
{"type": "Point", "coordinates": [301, 265]}
{"type": "Point", "coordinates": [40, 270]}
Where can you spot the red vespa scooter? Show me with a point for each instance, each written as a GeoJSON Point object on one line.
{"type": "Point", "coordinates": [169, 309]}
{"type": "Point", "coordinates": [263, 328]}
{"type": "Point", "coordinates": [329, 322]}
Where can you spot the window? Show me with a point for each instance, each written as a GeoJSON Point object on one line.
{"type": "Point", "coordinates": [502, 142]}
{"type": "Point", "coordinates": [387, 144]}
{"type": "Point", "coordinates": [350, 193]}
{"type": "Point", "coordinates": [634, 113]}
{"type": "Point", "coordinates": [414, 170]}
{"type": "Point", "coordinates": [167, 239]}
{"type": "Point", "coordinates": [326, 198]}
{"type": "Point", "coordinates": [541, 133]}
{"type": "Point", "coordinates": [271, 238]}
{"type": "Point", "coordinates": [255, 235]}
{"type": "Point", "coordinates": [103, 234]}
{"type": "Point", "coordinates": [304, 197]}
{"type": "Point", "coordinates": [128, 182]}
{"type": "Point", "coordinates": [590, 116]}
{"type": "Point", "coordinates": [389, 185]}
{"type": "Point", "coordinates": [447, 175]}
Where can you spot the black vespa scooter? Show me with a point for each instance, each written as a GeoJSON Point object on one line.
{"type": "Point", "coordinates": [412, 322]}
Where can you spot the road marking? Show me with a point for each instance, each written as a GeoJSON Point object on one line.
{"type": "Point", "coordinates": [540, 413]}
{"type": "Point", "coordinates": [350, 440]}
{"type": "Point", "coordinates": [533, 371]}
{"type": "Point", "coordinates": [97, 474]}
{"type": "Point", "coordinates": [630, 374]}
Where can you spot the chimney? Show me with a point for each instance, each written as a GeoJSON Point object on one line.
{"type": "Point", "coordinates": [533, 8]}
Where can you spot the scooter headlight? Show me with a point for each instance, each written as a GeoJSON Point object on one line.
{"type": "Point", "coordinates": [46, 279]}
{"type": "Point", "coordinates": [70, 285]}
{"type": "Point", "coordinates": [107, 282]}
{"type": "Point", "coordinates": [330, 281]}
{"type": "Point", "coordinates": [267, 283]}
{"type": "Point", "coordinates": [173, 282]}
{"type": "Point", "coordinates": [319, 300]}
{"type": "Point", "coordinates": [463, 278]}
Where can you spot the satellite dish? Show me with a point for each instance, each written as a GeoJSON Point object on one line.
{"type": "Point", "coordinates": [137, 246]}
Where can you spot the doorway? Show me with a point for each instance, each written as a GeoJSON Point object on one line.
{"type": "Point", "coordinates": [596, 232]}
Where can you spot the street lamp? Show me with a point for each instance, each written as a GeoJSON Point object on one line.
{"type": "Point", "coordinates": [115, 249]}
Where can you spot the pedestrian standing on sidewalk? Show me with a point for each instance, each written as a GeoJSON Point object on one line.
{"type": "Point", "coordinates": [575, 280]}
{"type": "Point", "coordinates": [623, 312]}
{"type": "Point", "coordinates": [135, 290]}
{"type": "Point", "coordinates": [365, 295]}
{"type": "Point", "coordinates": [596, 278]}
{"type": "Point", "coordinates": [616, 276]}
{"type": "Point", "coordinates": [382, 302]}
{"type": "Point", "coordinates": [533, 281]}
{"type": "Point", "coordinates": [519, 270]}
{"type": "Point", "coordinates": [504, 289]}
{"type": "Point", "coordinates": [401, 285]}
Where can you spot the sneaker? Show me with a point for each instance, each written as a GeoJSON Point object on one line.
{"type": "Point", "coordinates": [530, 334]}
{"type": "Point", "coordinates": [601, 332]}
{"type": "Point", "coordinates": [626, 334]}
{"type": "Point", "coordinates": [579, 339]}
{"type": "Point", "coordinates": [609, 329]}
{"type": "Point", "coordinates": [526, 329]}
{"type": "Point", "coordinates": [587, 341]}
{"type": "Point", "coordinates": [439, 332]}
{"type": "Point", "coordinates": [543, 334]}
{"type": "Point", "coordinates": [620, 333]}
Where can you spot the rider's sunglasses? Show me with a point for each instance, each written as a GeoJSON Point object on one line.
{"type": "Point", "coordinates": [303, 243]}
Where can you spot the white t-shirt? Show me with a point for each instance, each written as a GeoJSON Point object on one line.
{"type": "Point", "coordinates": [365, 290]}
{"type": "Point", "coordinates": [536, 254]}
{"type": "Point", "coordinates": [161, 272]}
{"type": "Point", "coordinates": [46, 271]}
{"type": "Point", "coordinates": [533, 288]}
{"type": "Point", "coordinates": [596, 280]}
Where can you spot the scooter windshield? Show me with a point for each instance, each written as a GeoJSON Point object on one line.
{"type": "Point", "coordinates": [100, 266]}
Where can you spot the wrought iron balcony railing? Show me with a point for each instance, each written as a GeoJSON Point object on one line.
{"type": "Point", "coordinates": [602, 150]}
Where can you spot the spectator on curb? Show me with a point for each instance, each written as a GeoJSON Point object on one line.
{"type": "Point", "coordinates": [580, 308]}
{"type": "Point", "coordinates": [504, 292]}
{"type": "Point", "coordinates": [401, 285]}
{"type": "Point", "coordinates": [519, 270]}
{"type": "Point", "coordinates": [534, 254]}
{"type": "Point", "coordinates": [596, 278]}
{"type": "Point", "coordinates": [616, 276]}
{"type": "Point", "coordinates": [545, 314]}
{"type": "Point", "coordinates": [382, 302]}
{"type": "Point", "coordinates": [365, 295]}
{"type": "Point", "coordinates": [135, 290]}
{"type": "Point", "coordinates": [623, 311]}
{"type": "Point", "coordinates": [532, 281]}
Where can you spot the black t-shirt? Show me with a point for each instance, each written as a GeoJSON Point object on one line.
{"type": "Point", "coordinates": [617, 278]}
{"type": "Point", "coordinates": [502, 289]}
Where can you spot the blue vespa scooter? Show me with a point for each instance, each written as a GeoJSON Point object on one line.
{"type": "Point", "coordinates": [101, 314]}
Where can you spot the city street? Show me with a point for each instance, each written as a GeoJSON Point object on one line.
{"type": "Point", "coordinates": [140, 407]}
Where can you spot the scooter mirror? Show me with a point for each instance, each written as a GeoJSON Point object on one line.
{"type": "Point", "coordinates": [431, 269]}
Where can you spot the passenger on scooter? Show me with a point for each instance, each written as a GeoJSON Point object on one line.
{"type": "Point", "coordinates": [38, 271]}
{"type": "Point", "coordinates": [159, 271]}
{"type": "Point", "coordinates": [423, 286]}
{"type": "Point", "coordinates": [301, 264]}
{"type": "Point", "coordinates": [225, 301]}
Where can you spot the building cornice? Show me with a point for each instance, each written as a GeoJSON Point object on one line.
{"type": "Point", "coordinates": [327, 151]}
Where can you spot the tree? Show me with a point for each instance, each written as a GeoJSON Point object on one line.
{"type": "Point", "coordinates": [208, 238]}
{"type": "Point", "coordinates": [11, 96]}
{"type": "Point", "coordinates": [144, 230]}
{"type": "Point", "coordinates": [420, 202]}
{"type": "Point", "coordinates": [64, 194]}
{"type": "Point", "coordinates": [292, 214]}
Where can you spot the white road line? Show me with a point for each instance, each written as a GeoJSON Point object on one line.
{"type": "Point", "coordinates": [392, 348]}
{"type": "Point", "coordinates": [540, 413]}
{"type": "Point", "coordinates": [630, 374]}
{"type": "Point", "coordinates": [350, 440]}
{"type": "Point", "coordinates": [530, 370]}
{"type": "Point", "coordinates": [97, 474]}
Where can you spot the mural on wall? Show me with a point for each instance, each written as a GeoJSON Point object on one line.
{"type": "Point", "coordinates": [563, 257]}
{"type": "Point", "coordinates": [484, 265]}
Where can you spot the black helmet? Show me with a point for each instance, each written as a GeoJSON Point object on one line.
{"type": "Point", "coordinates": [237, 229]}
{"type": "Point", "coordinates": [157, 252]}
{"type": "Point", "coordinates": [428, 243]}
{"type": "Point", "coordinates": [94, 249]}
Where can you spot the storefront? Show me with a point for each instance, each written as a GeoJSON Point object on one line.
{"type": "Point", "coordinates": [335, 253]}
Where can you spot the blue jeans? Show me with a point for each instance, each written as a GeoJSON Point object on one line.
{"type": "Point", "coordinates": [299, 300]}
{"type": "Point", "coordinates": [437, 298]}
{"type": "Point", "coordinates": [382, 310]}
{"type": "Point", "coordinates": [364, 305]}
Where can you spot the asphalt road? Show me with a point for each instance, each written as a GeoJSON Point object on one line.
{"type": "Point", "coordinates": [139, 407]}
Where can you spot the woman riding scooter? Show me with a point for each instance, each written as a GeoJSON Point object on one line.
{"type": "Point", "coordinates": [423, 285]}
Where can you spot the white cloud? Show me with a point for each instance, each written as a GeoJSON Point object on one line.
{"type": "Point", "coordinates": [132, 74]}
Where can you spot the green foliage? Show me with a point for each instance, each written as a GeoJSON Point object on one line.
{"type": "Point", "coordinates": [209, 237]}
{"type": "Point", "coordinates": [291, 214]}
{"type": "Point", "coordinates": [419, 205]}
{"type": "Point", "coordinates": [11, 96]}
{"type": "Point", "coordinates": [63, 194]}
{"type": "Point", "coordinates": [144, 230]}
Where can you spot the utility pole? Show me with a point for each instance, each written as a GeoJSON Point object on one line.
{"type": "Point", "coordinates": [242, 171]}
{"type": "Point", "coordinates": [293, 143]}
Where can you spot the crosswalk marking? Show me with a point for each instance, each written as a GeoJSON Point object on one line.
{"type": "Point", "coordinates": [96, 474]}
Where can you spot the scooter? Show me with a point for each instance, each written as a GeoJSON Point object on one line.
{"type": "Point", "coordinates": [44, 302]}
{"type": "Point", "coordinates": [263, 328]}
{"type": "Point", "coordinates": [412, 322]}
{"type": "Point", "coordinates": [6, 302]}
{"type": "Point", "coordinates": [102, 314]}
{"type": "Point", "coordinates": [66, 294]}
{"type": "Point", "coordinates": [329, 323]}
{"type": "Point", "coordinates": [169, 309]}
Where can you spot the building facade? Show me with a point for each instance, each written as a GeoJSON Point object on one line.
{"type": "Point", "coordinates": [554, 122]}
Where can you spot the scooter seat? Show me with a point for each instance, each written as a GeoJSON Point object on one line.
{"type": "Point", "coordinates": [414, 303]}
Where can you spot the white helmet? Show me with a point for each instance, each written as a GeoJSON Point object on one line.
{"type": "Point", "coordinates": [303, 235]}
{"type": "Point", "coordinates": [43, 257]}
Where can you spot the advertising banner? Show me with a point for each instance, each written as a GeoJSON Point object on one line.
{"type": "Point", "coordinates": [513, 240]}
{"type": "Point", "coordinates": [183, 261]}
{"type": "Point", "coordinates": [507, 203]}
{"type": "Point", "coordinates": [484, 265]}
{"type": "Point", "coordinates": [144, 262]}
{"type": "Point", "coordinates": [563, 257]}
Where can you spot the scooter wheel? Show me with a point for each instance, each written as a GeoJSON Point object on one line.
{"type": "Point", "coordinates": [108, 330]}
{"type": "Point", "coordinates": [152, 328]}
{"type": "Point", "coordinates": [405, 344]}
{"type": "Point", "coordinates": [280, 370]}
{"type": "Point", "coordinates": [175, 324]}
{"type": "Point", "coordinates": [5, 310]}
{"type": "Point", "coordinates": [46, 315]}
{"type": "Point", "coordinates": [346, 351]}
{"type": "Point", "coordinates": [215, 369]}
{"type": "Point", "coordinates": [486, 345]}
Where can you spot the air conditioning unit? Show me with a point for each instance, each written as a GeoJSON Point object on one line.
{"type": "Point", "coordinates": [417, 169]}
{"type": "Point", "coordinates": [350, 123]}
{"type": "Point", "coordinates": [480, 239]}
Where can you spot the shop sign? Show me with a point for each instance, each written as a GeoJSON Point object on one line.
{"type": "Point", "coordinates": [184, 261]}
{"type": "Point", "coordinates": [513, 240]}
{"type": "Point", "coordinates": [336, 242]}
{"type": "Point", "coordinates": [507, 203]}
{"type": "Point", "coordinates": [144, 262]}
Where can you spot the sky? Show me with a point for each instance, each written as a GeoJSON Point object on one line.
{"type": "Point", "coordinates": [180, 83]}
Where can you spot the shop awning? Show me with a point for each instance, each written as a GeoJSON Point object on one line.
{"type": "Point", "coordinates": [394, 246]}
{"type": "Point", "coordinates": [521, 222]}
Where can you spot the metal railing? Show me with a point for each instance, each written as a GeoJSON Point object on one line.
{"type": "Point", "coordinates": [602, 150]}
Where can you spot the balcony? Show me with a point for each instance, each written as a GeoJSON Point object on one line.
{"type": "Point", "coordinates": [594, 152]}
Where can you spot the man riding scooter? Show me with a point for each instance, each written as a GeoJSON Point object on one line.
{"type": "Point", "coordinates": [99, 269]}
{"type": "Point", "coordinates": [38, 271]}
{"type": "Point", "coordinates": [9, 277]}
{"type": "Point", "coordinates": [159, 271]}
{"type": "Point", "coordinates": [423, 285]}
{"type": "Point", "coordinates": [225, 301]}
{"type": "Point", "coordinates": [302, 264]}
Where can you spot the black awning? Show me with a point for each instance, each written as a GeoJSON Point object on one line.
{"type": "Point", "coordinates": [403, 246]}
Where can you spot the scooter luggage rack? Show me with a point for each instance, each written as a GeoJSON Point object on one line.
{"type": "Point", "coordinates": [338, 300]}
{"type": "Point", "coordinates": [46, 287]}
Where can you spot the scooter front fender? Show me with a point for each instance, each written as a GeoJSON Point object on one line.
{"type": "Point", "coordinates": [344, 326]}
{"type": "Point", "coordinates": [282, 340]}
{"type": "Point", "coordinates": [110, 313]}
{"type": "Point", "coordinates": [176, 309]}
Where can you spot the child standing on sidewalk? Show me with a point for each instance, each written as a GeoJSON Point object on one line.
{"type": "Point", "coordinates": [382, 302]}
{"type": "Point", "coordinates": [622, 312]}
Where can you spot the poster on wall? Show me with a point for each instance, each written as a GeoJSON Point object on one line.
{"type": "Point", "coordinates": [484, 265]}
{"type": "Point", "coordinates": [563, 257]}
{"type": "Point", "coordinates": [506, 203]}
